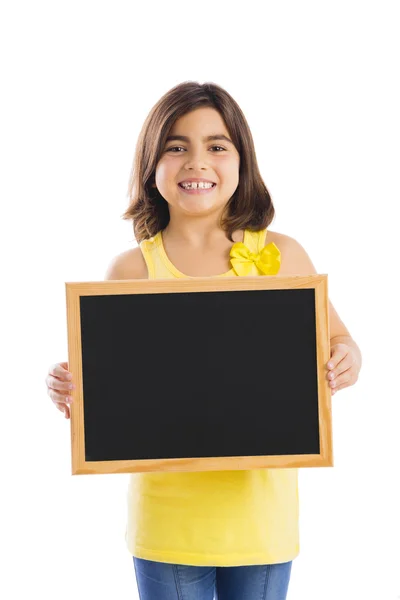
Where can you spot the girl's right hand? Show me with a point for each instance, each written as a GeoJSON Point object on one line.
{"type": "Point", "coordinates": [59, 387]}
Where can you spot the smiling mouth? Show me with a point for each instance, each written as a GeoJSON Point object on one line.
{"type": "Point", "coordinates": [197, 191]}
{"type": "Point", "coordinates": [196, 188]}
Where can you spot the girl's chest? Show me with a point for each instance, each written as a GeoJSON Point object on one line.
{"type": "Point", "coordinates": [201, 264]}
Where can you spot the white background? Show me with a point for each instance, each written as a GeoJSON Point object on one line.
{"type": "Point", "coordinates": [319, 85]}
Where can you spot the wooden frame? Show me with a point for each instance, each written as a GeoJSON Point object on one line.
{"type": "Point", "coordinates": [74, 291]}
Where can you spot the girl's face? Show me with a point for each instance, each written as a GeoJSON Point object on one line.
{"type": "Point", "coordinates": [192, 156]}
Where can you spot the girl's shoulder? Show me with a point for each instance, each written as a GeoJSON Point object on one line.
{"type": "Point", "coordinates": [130, 264]}
{"type": "Point", "coordinates": [294, 258]}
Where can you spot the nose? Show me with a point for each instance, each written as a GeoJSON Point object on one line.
{"type": "Point", "coordinates": [196, 160]}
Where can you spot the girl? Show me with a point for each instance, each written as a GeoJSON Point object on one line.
{"type": "Point", "coordinates": [200, 208]}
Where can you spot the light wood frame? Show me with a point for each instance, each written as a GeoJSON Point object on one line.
{"type": "Point", "coordinates": [199, 284]}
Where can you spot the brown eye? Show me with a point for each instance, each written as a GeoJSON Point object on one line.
{"type": "Point", "coordinates": [175, 147]}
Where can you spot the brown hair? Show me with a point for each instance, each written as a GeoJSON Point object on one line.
{"type": "Point", "coordinates": [250, 206]}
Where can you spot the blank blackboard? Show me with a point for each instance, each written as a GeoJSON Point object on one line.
{"type": "Point", "coordinates": [202, 374]}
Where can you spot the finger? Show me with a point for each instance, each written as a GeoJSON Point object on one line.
{"type": "Point", "coordinates": [58, 397]}
{"type": "Point", "coordinates": [341, 387]}
{"type": "Point", "coordinates": [346, 363]}
{"type": "Point", "coordinates": [339, 352]}
{"type": "Point", "coordinates": [342, 379]}
{"type": "Point", "coordinates": [64, 409]}
{"type": "Point", "coordinates": [343, 366]}
{"type": "Point", "coordinates": [60, 371]}
{"type": "Point", "coordinates": [60, 386]}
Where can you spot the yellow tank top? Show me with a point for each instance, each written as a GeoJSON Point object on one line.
{"type": "Point", "coordinates": [211, 518]}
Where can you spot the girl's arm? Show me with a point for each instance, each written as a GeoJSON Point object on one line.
{"type": "Point", "coordinates": [345, 363]}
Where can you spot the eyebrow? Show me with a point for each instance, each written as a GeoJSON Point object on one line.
{"type": "Point", "coordinates": [208, 138]}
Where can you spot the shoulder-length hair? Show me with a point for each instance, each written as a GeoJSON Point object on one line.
{"type": "Point", "coordinates": [250, 206]}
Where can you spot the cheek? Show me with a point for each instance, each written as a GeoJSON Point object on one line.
{"type": "Point", "coordinates": [229, 165]}
{"type": "Point", "coordinates": [230, 172]}
{"type": "Point", "coordinates": [165, 174]}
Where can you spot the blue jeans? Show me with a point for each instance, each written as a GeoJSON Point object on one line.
{"type": "Point", "coordinates": [165, 581]}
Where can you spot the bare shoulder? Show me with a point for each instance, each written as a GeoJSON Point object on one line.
{"type": "Point", "coordinates": [127, 265]}
{"type": "Point", "coordinates": [294, 258]}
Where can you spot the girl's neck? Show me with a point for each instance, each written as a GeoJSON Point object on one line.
{"type": "Point", "coordinates": [198, 236]}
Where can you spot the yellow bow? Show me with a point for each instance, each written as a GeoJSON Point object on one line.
{"type": "Point", "coordinates": [268, 261]}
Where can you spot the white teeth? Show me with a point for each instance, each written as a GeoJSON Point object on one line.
{"type": "Point", "coordinates": [197, 184]}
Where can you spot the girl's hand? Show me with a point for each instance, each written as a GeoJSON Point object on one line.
{"type": "Point", "coordinates": [59, 387]}
{"type": "Point", "coordinates": [343, 367]}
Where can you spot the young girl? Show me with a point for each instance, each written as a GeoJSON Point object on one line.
{"type": "Point", "coordinates": [200, 208]}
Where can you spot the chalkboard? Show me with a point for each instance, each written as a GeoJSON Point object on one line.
{"type": "Point", "coordinates": [199, 374]}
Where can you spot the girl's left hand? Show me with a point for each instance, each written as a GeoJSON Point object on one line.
{"type": "Point", "coordinates": [343, 367]}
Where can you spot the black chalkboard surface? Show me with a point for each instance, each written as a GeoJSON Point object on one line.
{"type": "Point", "coordinates": [199, 374]}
